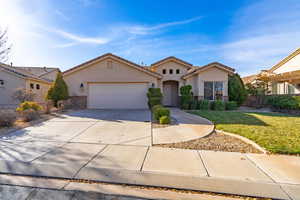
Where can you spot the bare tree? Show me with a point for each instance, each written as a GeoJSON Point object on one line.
{"type": "Point", "coordinates": [22, 95]}
{"type": "Point", "coordinates": [4, 46]}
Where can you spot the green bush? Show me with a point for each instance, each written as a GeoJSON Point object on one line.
{"type": "Point", "coordinates": [297, 98]}
{"type": "Point", "coordinates": [203, 105]}
{"type": "Point", "coordinates": [156, 107]}
{"type": "Point", "coordinates": [218, 105]}
{"type": "Point", "coordinates": [164, 120]}
{"type": "Point", "coordinates": [231, 105]}
{"type": "Point", "coordinates": [236, 89]}
{"type": "Point", "coordinates": [28, 105]}
{"type": "Point", "coordinates": [154, 97]}
{"type": "Point", "coordinates": [283, 102]}
{"type": "Point", "coordinates": [186, 96]}
{"type": "Point", "coordinates": [159, 112]}
{"type": "Point", "coordinates": [193, 105]}
{"type": "Point", "coordinates": [59, 91]}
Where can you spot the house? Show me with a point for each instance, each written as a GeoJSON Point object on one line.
{"type": "Point", "coordinates": [284, 77]}
{"type": "Point", "coordinates": [112, 82]}
{"type": "Point", "coordinates": [34, 79]}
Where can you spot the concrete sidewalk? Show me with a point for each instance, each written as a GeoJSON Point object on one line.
{"type": "Point", "coordinates": [256, 175]}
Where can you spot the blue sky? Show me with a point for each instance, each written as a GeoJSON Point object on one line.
{"type": "Point", "coordinates": [247, 35]}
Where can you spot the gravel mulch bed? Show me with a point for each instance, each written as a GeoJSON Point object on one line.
{"type": "Point", "coordinates": [215, 142]}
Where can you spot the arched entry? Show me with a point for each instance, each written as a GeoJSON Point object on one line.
{"type": "Point", "coordinates": [170, 93]}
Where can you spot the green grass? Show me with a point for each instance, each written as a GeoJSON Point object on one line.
{"type": "Point", "coordinates": [278, 133]}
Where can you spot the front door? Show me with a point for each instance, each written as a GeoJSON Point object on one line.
{"type": "Point", "coordinates": [170, 93]}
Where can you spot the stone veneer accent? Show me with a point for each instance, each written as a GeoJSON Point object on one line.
{"type": "Point", "coordinates": [79, 102]}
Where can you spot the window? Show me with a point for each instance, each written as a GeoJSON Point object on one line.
{"type": "Point", "coordinates": [31, 86]}
{"type": "Point", "coordinates": [1, 82]}
{"type": "Point", "coordinates": [213, 90]}
{"type": "Point", "coordinates": [164, 71]}
{"type": "Point", "coordinates": [291, 89]}
{"type": "Point", "coordinates": [177, 71]}
{"type": "Point", "coordinates": [274, 88]}
{"type": "Point", "coordinates": [37, 86]}
{"type": "Point", "coordinates": [171, 71]}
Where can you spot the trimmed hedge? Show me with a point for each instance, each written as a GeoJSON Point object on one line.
{"type": "Point", "coordinates": [284, 102]}
{"type": "Point", "coordinates": [164, 120]}
{"type": "Point", "coordinates": [161, 111]}
{"type": "Point", "coordinates": [218, 105]}
{"type": "Point", "coordinates": [231, 105]}
{"type": "Point", "coordinates": [154, 97]}
{"type": "Point", "coordinates": [203, 105]}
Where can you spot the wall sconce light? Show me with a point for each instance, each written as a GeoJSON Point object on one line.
{"type": "Point", "coordinates": [152, 85]}
{"type": "Point", "coordinates": [81, 86]}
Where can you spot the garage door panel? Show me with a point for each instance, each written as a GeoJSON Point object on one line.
{"type": "Point", "coordinates": [118, 96]}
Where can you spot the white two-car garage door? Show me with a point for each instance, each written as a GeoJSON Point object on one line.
{"type": "Point", "coordinates": [117, 95]}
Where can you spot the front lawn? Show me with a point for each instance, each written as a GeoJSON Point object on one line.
{"type": "Point", "coordinates": [278, 133]}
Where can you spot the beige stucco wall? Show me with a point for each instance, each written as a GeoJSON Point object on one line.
{"type": "Point", "coordinates": [291, 65]}
{"type": "Point", "coordinates": [11, 83]}
{"type": "Point", "coordinates": [40, 95]}
{"type": "Point", "coordinates": [103, 71]}
{"type": "Point", "coordinates": [212, 74]}
{"type": "Point", "coordinates": [172, 65]}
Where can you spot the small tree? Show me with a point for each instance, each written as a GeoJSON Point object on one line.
{"type": "Point", "coordinates": [236, 89]}
{"type": "Point", "coordinates": [186, 96]}
{"type": "Point", "coordinates": [59, 90]}
{"type": "Point", "coordinates": [22, 95]}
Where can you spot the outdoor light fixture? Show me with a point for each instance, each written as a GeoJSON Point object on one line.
{"type": "Point", "coordinates": [153, 85]}
{"type": "Point", "coordinates": [81, 85]}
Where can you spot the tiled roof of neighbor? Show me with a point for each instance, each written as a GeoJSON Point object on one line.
{"type": "Point", "coordinates": [21, 71]}
{"type": "Point", "coordinates": [249, 79]}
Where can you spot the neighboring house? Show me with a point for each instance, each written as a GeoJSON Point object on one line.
{"type": "Point", "coordinates": [112, 82]}
{"type": "Point", "coordinates": [284, 77]}
{"type": "Point", "coordinates": [35, 79]}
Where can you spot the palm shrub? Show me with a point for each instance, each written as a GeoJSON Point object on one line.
{"type": "Point", "coordinates": [186, 96]}
{"type": "Point", "coordinates": [218, 105]}
{"type": "Point", "coordinates": [154, 97]}
{"type": "Point", "coordinates": [236, 89]}
{"type": "Point", "coordinates": [203, 105]}
{"type": "Point", "coordinates": [231, 105]}
{"type": "Point", "coordinates": [59, 90]}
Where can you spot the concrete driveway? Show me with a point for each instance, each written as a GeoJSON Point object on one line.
{"type": "Point", "coordinates": [91, 126]}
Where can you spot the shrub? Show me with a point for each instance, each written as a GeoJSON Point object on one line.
{"type": "Point", "coordinates": [59, 91]}
{"type": "Point", "coordinates": [186, 96]}
{"type": "Point", "coordinates": [193, 105]}
{"type": "Point", "coordinates": [236, 89]}
{"type": "Point", "coordinates": [283, 102]}
{"type": "Point", "coordinates": [28, 105]}
{"type": "Point", "coordinates": [218, 105]}
{"type": "Point", "coordinates": [154, 97]}
{"type": "Point", "coordinates": [156, 107]}
{"type": "Point", "coordinates": [164, 120]}
{"type": "Point", "coordinates": [162, 111]}
{"type": "Point", "coordinates": [203, 105]}
{"type": "Point", "coordinates": [231, 105]}
{"type": "Point", "coordinates": [29, 115]}
{"type": "Point", "coordinates": [7, 118]}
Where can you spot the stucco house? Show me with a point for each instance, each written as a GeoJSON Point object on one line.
{"type": "Point", "coordinates": [35, 79]}
{"type": "Point", "coordinates": [284, 77]}
{"type": "Point", "coordinates": [112, 82]}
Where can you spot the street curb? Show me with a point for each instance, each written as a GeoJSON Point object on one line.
{"type": "Point", "coordinates": [244, 139]}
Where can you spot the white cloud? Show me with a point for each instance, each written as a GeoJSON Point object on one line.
{"type": "Point", "coordinates": [62, 15]}
{"type": "Point", "coordinates": [142, 30]}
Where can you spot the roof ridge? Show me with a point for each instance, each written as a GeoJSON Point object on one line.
{"type": "Point", "coordinates": [285, 60]}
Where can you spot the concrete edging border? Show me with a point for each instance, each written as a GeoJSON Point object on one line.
{"type": "Point", "coordinates": [244, 139]}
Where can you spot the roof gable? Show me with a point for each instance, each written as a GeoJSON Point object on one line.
{"type": "Point", "coordinates": [208, 66]}
{"type": "Point", "coordinates": [171, 59]}
{"type": "Point", "coordinates": [285, 60]}
{"type": "Point", "coordinates": [113, 57]}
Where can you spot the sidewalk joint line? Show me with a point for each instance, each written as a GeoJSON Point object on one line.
{"type": "Point", "coordinates": [144, 158]}
{"type": "Point", "coordinates": [202, 161]}
{"type": "Point", "coordinates": [261, 169]}
{"type": "Point", "coordinates": [92, 158]}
